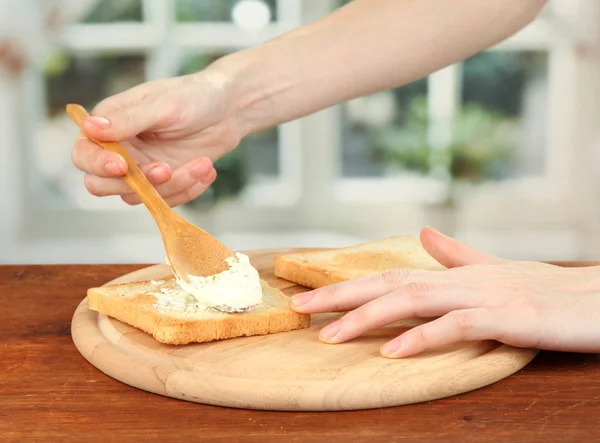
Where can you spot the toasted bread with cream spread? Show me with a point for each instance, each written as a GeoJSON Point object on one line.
{"type": "Point", "coordinates": [162, 309]}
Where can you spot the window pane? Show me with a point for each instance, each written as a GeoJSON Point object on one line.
{"type": "Point", "coordinates": [75, 79]}
{"type": "Point", "coordinates": [257, 156]}
{"type": "Point", "coordinates": [257, 11]}
{"type": "Point", "coordinates": [107, 11]}
{"type": "Point", "coordinates": [500, 129]}
{"type": "Point", "coordinates": [88, 79]}
{"type": "Point", "coordinates": [373, 126]}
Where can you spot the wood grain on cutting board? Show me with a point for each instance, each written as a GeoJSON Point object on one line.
{"type": "Point", "coordinates": [288, 371]}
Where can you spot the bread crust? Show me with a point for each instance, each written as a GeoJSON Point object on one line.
{"type": "Point", "coordinates": [299, 270]}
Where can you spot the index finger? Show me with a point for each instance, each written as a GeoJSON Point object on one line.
{"type": "Point", "coordinates": [91, 158]}
{"type": "Point", "coordinates": [353, 293]}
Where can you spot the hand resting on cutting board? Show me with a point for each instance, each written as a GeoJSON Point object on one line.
{"type": "Point", "coordinates": [524, 304]}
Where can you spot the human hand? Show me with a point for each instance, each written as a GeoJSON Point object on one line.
{"type": "Point", "coordinates": [174, 129]}
{"type": "Point", "coordinates": [524, 304]}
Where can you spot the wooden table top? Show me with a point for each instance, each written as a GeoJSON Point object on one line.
{"type": "Point", "coordinates": [49, 392]}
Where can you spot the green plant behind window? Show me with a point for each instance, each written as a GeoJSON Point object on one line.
{"type": "Point", "coordinates": [110, 11]}
{"type": "Point", "coordinates": [482, 149]}
{"type": "Point", "coordinates": [210, 10]}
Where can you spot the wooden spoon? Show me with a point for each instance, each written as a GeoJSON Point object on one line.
{"type": "Point", "coordinates": [190, 250]}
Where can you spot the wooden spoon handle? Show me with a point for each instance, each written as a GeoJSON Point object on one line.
{"type": "Point", "coordinates": [134, 177]}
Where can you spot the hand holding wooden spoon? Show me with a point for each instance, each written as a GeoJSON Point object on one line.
{"type": "Point", "coordinates": [189, 249]}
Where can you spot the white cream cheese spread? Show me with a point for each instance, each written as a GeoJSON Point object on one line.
{"type": "Point", "coordinates": [171, 298]}
{"type": "Point", "coordinates": [235, 289]}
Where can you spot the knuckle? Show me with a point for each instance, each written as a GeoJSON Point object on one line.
{"type": "Point", "coordinates": [333, 290]}
{"type": "Point", "coordinates": [394, 277]}
{"type": "Point", "coordinates": [175, 201]}
{"type": "Point", "coordinates": [333, 296]}
{"type": "Point", "coordinates": [417, 290]}
{"type": "Point", "coordinates": [361, 317]}
{"type": "Point", "coordinates": [192, 192]}
{"type": "Point", "coordinates": [80, 153]}
{"type": "Point", "coordinates": [462, 319]}
{"type": "Point", "coordinates": [92, 186]}
{"type": "Point", "coordinates": [127, 116]}
{"type": "Point", "coordinates": [187, 195]}
{"type": "Point", "coordinates": [130, 199]}
{"type": "Point", "coordinates": [465, 322]}
{"type": "Point", "coordinates": [75, 156]}
{"type": "Point", "coordinates": [421, 334]}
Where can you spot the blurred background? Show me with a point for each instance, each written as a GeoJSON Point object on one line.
{"type": "Point", "coordinates": [500, 151]}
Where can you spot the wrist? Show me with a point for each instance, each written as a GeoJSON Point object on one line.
{"type": "Point", "coordinates": [253, 88]}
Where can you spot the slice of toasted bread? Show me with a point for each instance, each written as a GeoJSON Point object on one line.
{"type": "Point", "coordinates": [323, 268]}
{"type": "Point", "coordinates": [144, 305]}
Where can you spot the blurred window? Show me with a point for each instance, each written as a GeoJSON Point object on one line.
{"type": "Point", "coordinates": [122, 43]}
{"type": "Point", "coordinates": [486, 120]}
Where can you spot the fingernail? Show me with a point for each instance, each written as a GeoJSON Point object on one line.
{"type": "Point", "coordinates": [200, 169]}
{"type": "Point", "coordinates": [391, 349]}
{"type": "Point", "coordinates": [330, 331]}
{"type": "Point", "coordinates": [99, 122]}
{"type": "Point", "coordinates": [113, 169]}
{"type": "Point", "coordinates": [301, 299]}
{"type": "Point", "coordinates": [155, 173]}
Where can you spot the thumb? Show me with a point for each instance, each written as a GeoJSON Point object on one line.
{"type": "Point", "coordinates": [122, 123]}
{"type": "Point", "coordinates": [451, 253]}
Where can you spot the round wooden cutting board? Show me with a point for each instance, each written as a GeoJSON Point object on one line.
{"type": "Point", "coordinates": [291, 371]}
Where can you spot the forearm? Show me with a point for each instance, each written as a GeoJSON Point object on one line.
{"type": "Point", "coordinates": [367, 46]}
